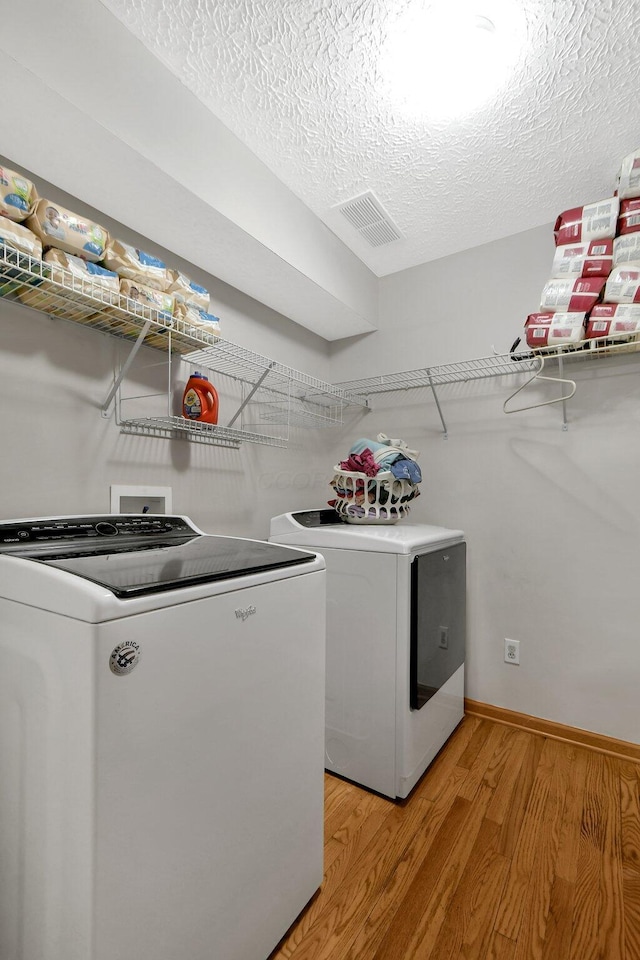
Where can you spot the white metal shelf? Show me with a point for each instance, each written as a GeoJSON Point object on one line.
{"type": "Point", "coordinates": [498, 365]}
{"type": "Point", "coordinates": [281, 394]}
{"type": "Point", "coordinates": [172, 427]}
{"type": "Point", "coordinates": [461, 372]}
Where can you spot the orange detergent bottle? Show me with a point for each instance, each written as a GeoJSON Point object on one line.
{"type": "Point", "coordinates": [200, 399]}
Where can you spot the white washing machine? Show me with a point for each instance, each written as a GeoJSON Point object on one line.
{"type": "Point", "coordinates": [395, 643]}
{"type": "Point", "coordinates": [161, 740]}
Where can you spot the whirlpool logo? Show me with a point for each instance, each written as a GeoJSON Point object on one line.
{"type": "Point", "coordinates": [243, 613]}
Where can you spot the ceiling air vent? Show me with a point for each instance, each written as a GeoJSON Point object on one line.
{"type": "Point", "coordinates": [370, 219]}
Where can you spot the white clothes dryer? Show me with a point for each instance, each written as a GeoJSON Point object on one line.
{"type": "Point", "coordinates": [161, 740]}
{"type": "Point", "coordinates": [396, 611]}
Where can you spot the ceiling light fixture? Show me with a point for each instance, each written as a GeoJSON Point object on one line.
{"type": "Point", "coordinates": [446, 58]}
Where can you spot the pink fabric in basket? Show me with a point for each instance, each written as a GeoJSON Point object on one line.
{"type": "Point", "coordinates": [361, 463]}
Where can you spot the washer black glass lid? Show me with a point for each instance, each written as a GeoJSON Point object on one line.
{"type": "Point", "coordinates": [136, 559]}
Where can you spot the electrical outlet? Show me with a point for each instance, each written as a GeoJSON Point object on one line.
{"type": "Point", "coordinates": [444, 638]}
{"type": "Point", "coordinates": [511, 651]}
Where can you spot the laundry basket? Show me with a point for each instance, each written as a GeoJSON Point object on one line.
{"type": "Point", "coordinates": [378, 499]}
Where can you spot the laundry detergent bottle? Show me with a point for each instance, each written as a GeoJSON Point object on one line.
{"type": "Point", "coordinates": [200, 399]}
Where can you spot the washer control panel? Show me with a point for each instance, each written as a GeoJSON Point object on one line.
{"type": "Point", "coordinates": [42, 532]}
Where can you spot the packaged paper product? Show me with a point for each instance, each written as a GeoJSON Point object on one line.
{"type": "Point", "coordinates": [623, 285]}
{"type": "Point", "coordinates": [553, 329]}
{"type": "Point", "coordinates": [17, 195]}
{"type": "Point", "coordinates": [626, 249]}
{"type": "Point", "coordinates": [629, 220]}
{"type": "Point", "coordinates": [90, 275]}
{"type": "Point", "coordinates": [143, 296]}
{"type": "Point", "coordinates": [629, 176]}
{"type": "Point", "coordinates": [186, 291]}
{"type": "Point", "coordinates": [62, 274]}
{"type": "Point", "coordinates": [614, 321]}
{"type": "Point", "coordinates": [16, 243]}
{"type": "Point", "coordinates": [200, 319]}
{"type": "Point", "coordinates": [572, 296]}
{"type": "Point", "coordinates": [21, 238]}
{"type": "Point", "coordinates": [591, 259]}
{"type": "Point", "coordinates": [595, 221]}
{"type": "Point", "coordinates": [57, 227]}
{"type": "Point", "coordinates": [133, 264]}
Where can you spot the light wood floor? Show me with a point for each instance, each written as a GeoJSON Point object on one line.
{"type": "Point", "coordinates": [512, 847]}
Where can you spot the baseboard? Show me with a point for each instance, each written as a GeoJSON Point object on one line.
{"type": "Point", "coordinates": [557, 731]}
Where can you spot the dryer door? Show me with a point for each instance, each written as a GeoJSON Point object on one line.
{"type": "Point", "coordinates": [438, 620]}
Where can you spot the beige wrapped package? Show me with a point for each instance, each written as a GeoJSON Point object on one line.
{"type": "Point", "coordinates": [57, 227]}
{"type": "Point", "coordinates": [16, 235]}
{"type": "Point", "coordinates": [143, 296]}
{"type": "Point", "coordinates": [92, 278]}
{"type": "Point", "coordinates": [148, 304]}
{"type": "Point", "coordinates": [199, 319]}
{"type": "Point", "coordinates": [186, 291]}
{"type": "Point", "coordinates": [17, 195]}
{"type": "Point", "coordinates": [81, 283]}
{"type": "Point", "coordinates": [16, 243]}
{"type": "Point", "coordinates": [133, 264]}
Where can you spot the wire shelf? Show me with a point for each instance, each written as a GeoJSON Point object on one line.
{"type": "Point", "coordinates": [245, 365]}
{"type": "Point", "coordinates": [57, 292]}
{"type": "Point", "coordinates": [299, 413]}
{"type": "Point", "coordinates": [499, 365]}
{"type": "Point", "coordinates": [461, 372]}
{"type": "Point", "coordinates": [288, 396]}
{"type": "Point", "coordinates": [173, 428]}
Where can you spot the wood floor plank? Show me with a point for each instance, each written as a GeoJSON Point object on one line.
{"type": "Point", "coordinates": [631, 912]}
{"type": "Point", "coordinates": [537, 897]}
{"type": "Point", "coordinates": [417, 922]}
{"type": "Point", "coordinates": [468, 925]}
{"type": "Point", "coordinates": [522, 864]}
{"type": "Point", "coordinates": [340, 812]}
{"type": "Point", "coordinates": [394, 892]}
{"type": "Point", "coordinates": [502, 798]}
{"type": "Point", "coordinates": [357, 828]}
{"type": "Point", "coordinates": [488, 764]}
{"type": "Point", "coordinates": [501, 948]}
{"type": "Point", "coordinates": [559, 924]}
{"type": "Point", "coordinates": [435, 778]}
{"type": "Point", "coordinates": [630, 815]}
{"type": "Point", "coordinates": [476, 743]}
{"type": "Point", "coordinates": [512, 823]}
{"type": "Point", "coordinates": [567, 864]}
{"type": "Point", "coordinates": [331, 785]}
{"type": "Point", "coordinates": [586, 912]}
{"type": "Point", "coordinates": [611, 922]}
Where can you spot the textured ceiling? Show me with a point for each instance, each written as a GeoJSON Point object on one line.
{"type": "Point", "coordinates": [303, 83]}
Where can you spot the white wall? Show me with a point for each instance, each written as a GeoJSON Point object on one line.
{"type": "Point", "coordinates": [552, 518]}
{"type": "Point", "coordinates": [60, 456]}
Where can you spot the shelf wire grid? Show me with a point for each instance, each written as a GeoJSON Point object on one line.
{"type": "Point", "coordinates": [51, 289]}
{"type": "Point", "coordinates": [498, 365]}
{"type": "Point", "coordinates": [58, 292]}
{"type": "Point", "coordinates": [243, 364]}
{"type": "Point", "coordinates": [173, 427]}
{"type": "Point", "coordinates": [460, 372]}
